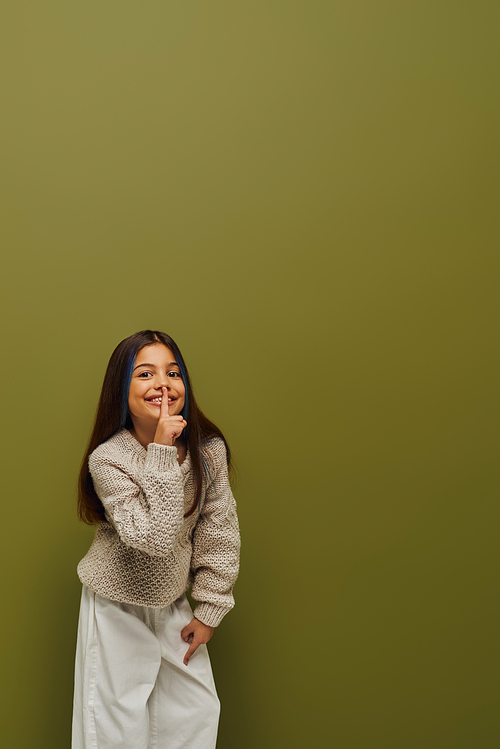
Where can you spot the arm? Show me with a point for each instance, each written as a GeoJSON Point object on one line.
{"type": "Point", "coordinates": [216, 546]}
{"type": "Point", "coordinates": [145, 505]}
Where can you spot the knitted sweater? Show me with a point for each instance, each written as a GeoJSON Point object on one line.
{"type": "Point", "coordinates": [147, 552]}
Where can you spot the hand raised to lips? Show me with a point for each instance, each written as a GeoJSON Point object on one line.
{"type": "Point", "coordinates": [169, 427]}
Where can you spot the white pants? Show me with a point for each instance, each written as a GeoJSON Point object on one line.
{"type": "Point", "coordinates": [132, 690]}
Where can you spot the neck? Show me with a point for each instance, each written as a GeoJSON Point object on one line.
{"type": "Point", "coordinates": [143, 433]}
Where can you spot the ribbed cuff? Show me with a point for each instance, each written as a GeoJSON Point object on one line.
{"type": "Point", "coordinates": [161, 457]}
{"type": "Point", "coordinates": [210, 614]}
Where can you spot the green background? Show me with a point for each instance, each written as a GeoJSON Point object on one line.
{"type": "Point", "coordinates": [305, 195]}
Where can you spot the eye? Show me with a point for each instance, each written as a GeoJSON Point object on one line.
{"type": "Point", "coordinates": [173, 374]}
{"type": "Point", "coordinates": [144, 374]}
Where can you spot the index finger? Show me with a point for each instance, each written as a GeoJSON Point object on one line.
{"type": "Point", "coordinates": [190, 652]}
{"type": "Point", "coordinates": [164, 402]}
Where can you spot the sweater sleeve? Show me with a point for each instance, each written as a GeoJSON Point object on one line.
{"type": "Point", "coordinates": [216, 546]}
{"type": "Point", "coordinates": [146, 505]}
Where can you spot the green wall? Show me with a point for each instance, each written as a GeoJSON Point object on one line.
{"type": "Point", "coordinates": [305, 196]}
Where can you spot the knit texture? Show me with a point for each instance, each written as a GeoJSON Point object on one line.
{"type": "Point", "coordinates": [146, 552]}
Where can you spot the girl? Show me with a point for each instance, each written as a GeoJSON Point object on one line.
{"type": "Point", "coordinates": [155, 480]}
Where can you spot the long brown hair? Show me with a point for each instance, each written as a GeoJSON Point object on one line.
{"type": "Point", "coordinates": [112, 415]}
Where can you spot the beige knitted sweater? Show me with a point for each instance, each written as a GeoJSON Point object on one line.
{"type": "Point", "coordinates": [147, 552]}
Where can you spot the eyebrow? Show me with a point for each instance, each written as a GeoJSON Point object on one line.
{"type": "Point", "coordinates": [153, 366]}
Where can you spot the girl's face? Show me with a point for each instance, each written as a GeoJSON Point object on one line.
{"type": "Point", "coordinates": [155, 367]}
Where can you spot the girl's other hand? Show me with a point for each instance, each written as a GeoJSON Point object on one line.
{"type": "Point", "coordinates": [195, 633]}
{"type": "Point", "coordinates": [169, 427]}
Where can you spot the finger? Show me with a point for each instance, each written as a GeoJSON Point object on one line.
{"type": "Point", "coordinates": [164, 402]}
{"type": "Point", "coordinates": [187, 632]}
{"type": "Point", "coordinates": [191, 651]}
{"type": "Point", "coordinates": [179, 428]}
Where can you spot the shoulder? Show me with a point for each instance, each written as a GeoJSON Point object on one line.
{"type": "Point", "coordinates": [215, 450]}
{"type": "Point", "coordinates": [213, 457]}
{"type": "Point", "coordinates": [119, 448]}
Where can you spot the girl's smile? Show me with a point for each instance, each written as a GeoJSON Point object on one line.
{"type": "Point", "coordinates": [156, 400]}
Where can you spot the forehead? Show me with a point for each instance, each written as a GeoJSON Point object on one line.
{"type": "Point", "coordinates": [155, 353]}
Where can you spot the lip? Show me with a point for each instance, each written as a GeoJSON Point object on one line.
{"type": "Point", "coordinates": [158, 403]}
